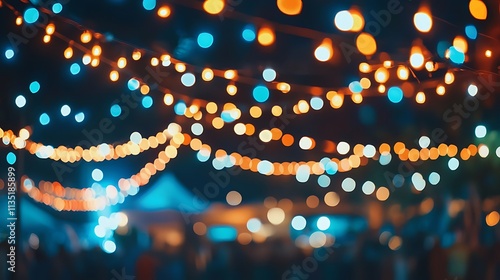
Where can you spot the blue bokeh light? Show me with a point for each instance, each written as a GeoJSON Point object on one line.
{"type": "Point", "coordinates": [456, 56]}
{"type": "Point", "coordinates": [34, 87]}
{"type": "Point", "coordinates": [74, 68]}
{"type": "Point", "coordinates": [44, 119]}
{"type": "Point", "coordinates": [205, 40]}
{"type": "Point", "coordinates": [147, 102]}
{"type": "Point", "coordinates": [79, 117]}
{"type": "Point", "coordinates": [133, 84]}
{"type": "Point", "coordinates": [115, 110]}
{"type": "Point", "coordinates": [11, 158]}
{"type": "Point", "coordinates": [395, 94]}
{"type": "Point", "coordinates": [57, 8]}
{"type": "Point", "coordinates": [149, 4]}
{"type": "Point", "coordinates": [260, 93]}
{"type": "Point", "coordinates": [248, 34]}
{"type": "Point", "coordinates": [471, 32]}
{"type": "Point", "coordinates": [9, 53]}
{"type": "Point", "coordinates": [31, 15]}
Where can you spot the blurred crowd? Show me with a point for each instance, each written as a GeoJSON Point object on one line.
{"type": "Point", "coordinates": [363, 258]}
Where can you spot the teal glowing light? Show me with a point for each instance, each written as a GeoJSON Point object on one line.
{"type": "Point", "coordinates": [180, 108]}
{"type": "Point", "coordinates": [222, 233]}
{"type": "Point", "coordinates": [355, 87]}
{"type": "Point", "coordinates": [44, 119]}
{"type": "Point", "coordinates": [34, 87]}
{"type": "Point", "coordinates": [147, 102]}
{"type": "Point", "coordinates": [471, 32]}
{"type": "Point", "coordinates": [74, 68]}
{"type": "Point", "coordinates": [456, 56]}
{"type": "Point", "coordinates": [57, 8]}
{"type": "Point", "coordinates": [395, 94]}
{"type": "Point", "coordinates": [9, 54]}
{"type": "Point", "coordinates": [205, 40]}
{"type": "Point", "coordinates": [133, 84]}
{"type": "Point", "coordinates": [260, 93]}
{"type": "Point", "coordinates": [149, 4]}
{"type": "Point", "coordinates": [31, 15]}
{"type": "Point", "coordinates": [115, 110]}
{"type": "Point", "coordinates": [11, 158]}
{"type": "Point", "coordinates": [79, 117]}
{"type": "Point", "coordinates": [248, 34]}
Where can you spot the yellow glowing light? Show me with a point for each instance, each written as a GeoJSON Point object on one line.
{"type": "Point", "coordinates": [276, 216]}
{"type": "Point", "coordinates": [337, 101]}
{"type": "Point", "coordinates": [440, 90]}
{"type": "Point", "coordinates": [217, 122]}
{"type": "Point", "coordinates": [95, 62]}
{"type": "Point", "coordinates": [144, 89]}
{"type": "Point", "coordinates": [303, 106]}
{"type": "Point", "coordinates": [180, 67]}
{"type": "Point", "coordinates": [239, 129]}
{"type": "Point", "coordinates": [420, 97]}
{"type": "Point", "coordinates": [283, 87]}
{"type": "Point", "coordinates": [136, 55]}
{"type": "Point", "coordinates": [276, 111]}
{"type": "Point", "coordinates": [358, 21]}
{"type": "Point", "coordinates": [211, 108]}
{"type": "Point", "coordinates": [164, 11]}
{"type": "Point", "coordinates": [113, 75]}
{"type": "Point", "coordinates": [365, 83]}
{"type": "Point", "coordinates": [155, 61]}
{"type": "Point", "coordinates": [19, 20]}
{"type": "Point", "coordinates": [478, 9]}
{"type": "Point", "coordinates": [96, 50]}
{"type": "Point", "coordinates": [265, 136]}
{"type": "Point", "coordinates": [231, 89]}
{"type": "Point", "coordinates": [403, 72]}
{"type": "Point", "coordinates": [364, 67]}
{"type": "Point", "coordinates": [213, 7]}
{"type": "Point", "coordinates": [429, 65]}
{"type": "Point", "coordinates": [449, 78]}
{"type": "Point", "coordinates": [422, 21]}
{"type": "Point", "coordinates": [387, 64]}
{"type": "Point", "coordinates": [266, 36]}
{"type": "Point", "coordinates": [207, 74]}
{"type": "Point", "coordinates": [366, 44]}
{"type": "Point", "coordinates": [122, 62]}
{"type": "Point", "coordinates": [168, 99]}
{"type": "Point", "coordinates": [357, 98]}
{"type": "Point", "coordinates": [46, 38]}
{"type": "Point", "coordinates": [255, 112]}
{"type": "Point", "coordinates": [230, 74]}
{"type": "Point", "coordinates": [86, 37]}
{"type": "Point", "coordinates": [50, 29]}
{"type": "Point", "coordinates": [290, 7]}
{"type": "Point", "coordinates": [68, 52]}
{"type": "Point", "coordinates": [416, 58]}
{"type": "Point", "coordinates": [487, 53]}
{"type": "Point", "coordinates": [249, 129]}
{"type": "Point", "coordinates": [324, 51]}
{"type": "Point", "coordinates": [381, 75]}
{"type": "Point", "coordinates": [460, 43]}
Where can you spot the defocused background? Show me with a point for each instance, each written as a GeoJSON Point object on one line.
{"type": "Point", "coordinates": [249, 139]}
